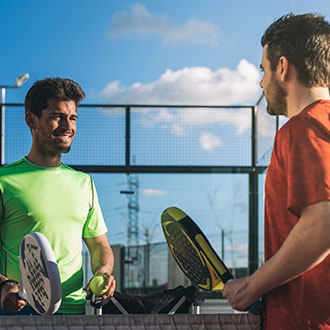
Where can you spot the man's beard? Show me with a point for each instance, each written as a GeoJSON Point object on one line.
{"type": "Point", "coordinates": [51, 148]}
{"type": "Point", "coordinates": [275, 96]}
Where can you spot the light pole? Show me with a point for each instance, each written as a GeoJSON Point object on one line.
{"type": "Point", "coordinates": [18, 83]}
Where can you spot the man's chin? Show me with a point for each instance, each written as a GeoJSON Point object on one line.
{"type": "Point", "coordinates": [271, 111]}
{"type": "Point", "coordinates": [65, 150]}
{"type": "Point", "coordinates": [62, 149]}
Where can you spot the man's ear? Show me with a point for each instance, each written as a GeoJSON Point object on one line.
{"type": "Point", "coordinates": [31, 119]}
{"type": "Point", "coordinates": [282, 69]}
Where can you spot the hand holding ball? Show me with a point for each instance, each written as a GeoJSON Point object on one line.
{"type": "Point", "coordinates": [97, 285]}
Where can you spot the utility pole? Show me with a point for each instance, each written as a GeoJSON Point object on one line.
{"type": "Point", "coordinates": [133, 210]}
{"type": "Point", "coordinates": [18, 83]}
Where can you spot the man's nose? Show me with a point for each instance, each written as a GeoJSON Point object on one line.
{"type": "Point", "coordinates": [67, 123]}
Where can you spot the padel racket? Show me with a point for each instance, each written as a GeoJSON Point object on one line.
{"type": "Point", "coordinates": [192, 251]}
{"type": "Point", "coordinates": [40, 283]}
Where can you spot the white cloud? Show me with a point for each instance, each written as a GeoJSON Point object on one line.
{"type": "Point", "coordinates": [209, 141]}
{"type": "Point", "coordinates": [192, 85]}
{"type": "Point", "coordinates": [139, 22]}
{"type": "Point", "coordinates": [152, 192]}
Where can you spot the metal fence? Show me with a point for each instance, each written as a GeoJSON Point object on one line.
{"type": "Point", "coordinates": [163, 139]}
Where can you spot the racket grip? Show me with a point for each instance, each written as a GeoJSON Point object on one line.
{"type": "Point", "coordinates": [256, 308]}
{"type": "Point", "coordinates": [21, 294]}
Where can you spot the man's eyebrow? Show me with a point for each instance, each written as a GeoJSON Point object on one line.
{"type": "Point", "coordinates": [261, 67]}
{"type": "Point", "coordinates": [59, 112]}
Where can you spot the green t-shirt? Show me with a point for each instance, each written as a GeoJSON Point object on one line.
{"type": "Point", "coordinates": [60, 203]}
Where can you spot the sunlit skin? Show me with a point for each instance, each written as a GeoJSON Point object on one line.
{"type": "Point", "coordinates": [53, 132]}
{"type": "Point", "coordinates": [274, 93]}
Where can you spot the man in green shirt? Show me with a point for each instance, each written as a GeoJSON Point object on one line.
{"type": "Point", "coordinates": [39, 193]}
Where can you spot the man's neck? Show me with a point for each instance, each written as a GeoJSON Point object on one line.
{"type": "Point", "coordinates": [300, 97]}
{"type": "Point", "coordinates": [44, 160]}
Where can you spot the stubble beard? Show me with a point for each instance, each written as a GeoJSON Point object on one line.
{"type": "Point", "coordinates": [51, 148]}
{"type": "Point", "coordinates": [276, 99]}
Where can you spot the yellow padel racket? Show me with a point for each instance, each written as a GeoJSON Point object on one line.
{"type": "Point", "coordinates": [192, 251]}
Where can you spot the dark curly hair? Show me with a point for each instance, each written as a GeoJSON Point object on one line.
{"type": "Point", "coordinates": [305, 41]}
{"type": "Point", "coordinates": [62, 89]}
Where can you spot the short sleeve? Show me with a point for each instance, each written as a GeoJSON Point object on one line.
{"type": "Point", "coordinates": [95, 225]}
{"type": "Point", "coordinates": [308, 164]}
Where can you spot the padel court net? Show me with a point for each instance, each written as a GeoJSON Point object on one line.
{"type": "Point", "coordinates": [136, 322]}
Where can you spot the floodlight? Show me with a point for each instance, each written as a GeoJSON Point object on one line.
{"type": "Point", "coordinates": [21, 79]}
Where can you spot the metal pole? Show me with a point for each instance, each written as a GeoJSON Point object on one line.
{"type": "Point", "coordinates": [253, 199]}
{"type": "Point", "coordinates": [128, 137]}
{"type": "Point", "coordinates": [222, 244]}
{"type": "Point", "coordinates": [18, 83]}
{"type": "Point", "coordinates": [2, 126]}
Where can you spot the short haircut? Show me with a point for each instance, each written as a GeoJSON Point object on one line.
{"type": "Point", "coordinates": [305, 41]}
{"type": "Point", "coordinates": [61, 89]}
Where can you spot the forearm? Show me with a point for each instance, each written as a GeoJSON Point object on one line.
{"type": "Point", "coordinates": [102, 260]}
{"type": "Point", "coordinates": [307, 245]}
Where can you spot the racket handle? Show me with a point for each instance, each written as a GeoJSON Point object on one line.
{"type": "Point", "coordinates": [21, 294]}
{"type": "Point", "coordinates": [256, 308]}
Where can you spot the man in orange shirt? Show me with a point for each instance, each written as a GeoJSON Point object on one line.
{"type": "Point", "coordinates": [295, 279]}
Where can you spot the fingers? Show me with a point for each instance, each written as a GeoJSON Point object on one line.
{"type": "Point", "coordinates": [111, 286]}
{"type": "Point", "coordinates": [12, 302]}
{"type": "Point", "coordinates": [238, 294]}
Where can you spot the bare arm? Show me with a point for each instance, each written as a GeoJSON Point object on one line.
{"type": "Point", "coordinates": [102, 260]}
{"type": "Point", "coordinates": [306, 246]}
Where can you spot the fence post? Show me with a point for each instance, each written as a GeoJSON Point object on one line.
{"type": "Point", "coordinates": [253, 198]}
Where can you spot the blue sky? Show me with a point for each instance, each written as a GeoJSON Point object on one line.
{"type": "Point", "coordinates": [153, 52]}
{"type": "Point", "coordinates": [142, 51]}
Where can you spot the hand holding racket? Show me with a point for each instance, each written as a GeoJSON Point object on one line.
{"type": "Point", "coordinates": [193, 252]}
{"type": "Point", "coordinates": [40, 283]}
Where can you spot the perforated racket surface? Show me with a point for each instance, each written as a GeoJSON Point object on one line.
{"type": "Point", "coordinates": [192, 251]}
{"type": "Point", "coordinates": [40, 283]}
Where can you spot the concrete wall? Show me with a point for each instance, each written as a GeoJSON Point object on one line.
{"type": "Point", "coordinates": [117, 269]}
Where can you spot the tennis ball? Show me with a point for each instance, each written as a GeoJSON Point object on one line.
{"type": "Point", "coordinates": [97, 285]}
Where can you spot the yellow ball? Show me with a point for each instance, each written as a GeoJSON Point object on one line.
{"type": "Point", "coordinates": [97, 285]}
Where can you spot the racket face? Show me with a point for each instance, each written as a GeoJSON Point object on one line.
{"type": "Point", "coordinates": [40, 280]}
{"type": "Point", "coordinates": [192, 251]}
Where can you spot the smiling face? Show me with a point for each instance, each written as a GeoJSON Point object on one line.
{"type": "Point", "coordinates": [274, 93]}
{"type": "Point", "coordinates": [54, 131]}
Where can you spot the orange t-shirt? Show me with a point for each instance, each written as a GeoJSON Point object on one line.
{"type": "Point", "coordinates": [298, 175]}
